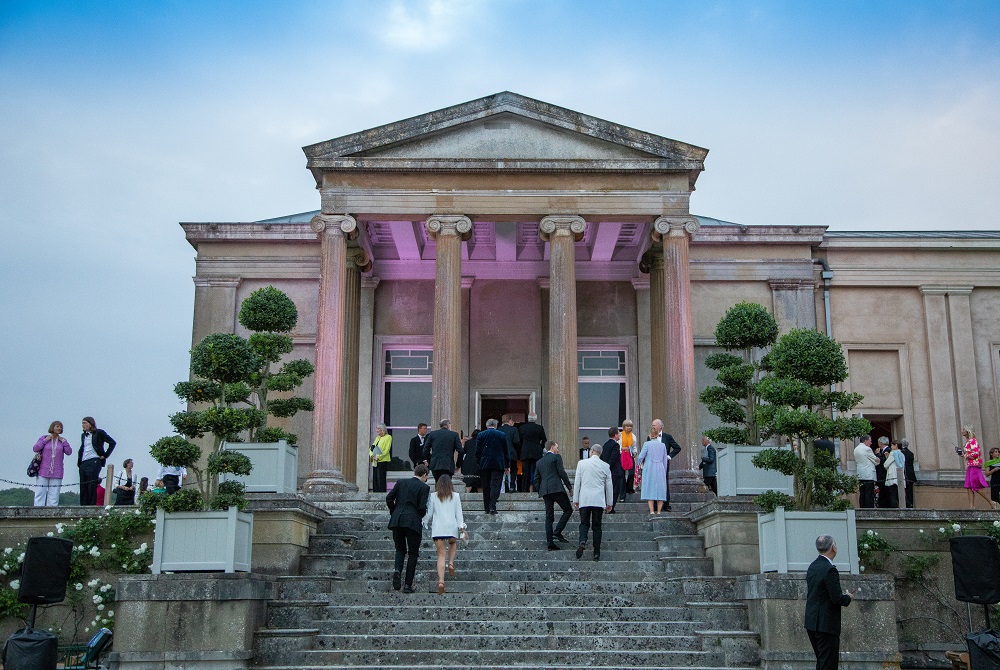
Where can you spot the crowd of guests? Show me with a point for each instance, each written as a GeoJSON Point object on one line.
{"type": "Point", "coordinates": [95, 449]}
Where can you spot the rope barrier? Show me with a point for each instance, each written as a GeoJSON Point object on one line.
{"type": "Point", "coordinates": [48, 486]}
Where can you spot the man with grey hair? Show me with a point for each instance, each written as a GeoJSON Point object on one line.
{"type": "Point", "coordinates": [593, 495]}
{"type": "Point", "coordinates": [824, 598]}
{"type": "Point", "coordinates": [440, 448]}
{"type": "Point", "coordinates": [882, 498]}
{"type": "Point", "coordinates": [491, 454]}
{"type": "Point", "coordinates": [533, 441]}
{"type": "Point", "coordinates": [865, 460]}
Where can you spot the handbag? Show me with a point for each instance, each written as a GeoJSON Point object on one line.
{"type": "Point", "coordinates": [35, 465]}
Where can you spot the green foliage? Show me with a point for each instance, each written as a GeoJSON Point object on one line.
{"type": "Point", "coordinates": [746, 325]}
{"type": "Point", "coordinates": [772, 500]}
{"type": "Point", "coordinates": [175, 451]}
{"type": "Point", "coordinates": [199, 390]}
{"type": "Point", "coordinates": [226, 421]}
{"type": "Point", "coordinates": [19, 497]}
{"type": "Point", "coordinates": [230, 462]}
{"type": "Point", "coordinates": [189, 424]}
{"type": "Point", "coordinates": [185, 500]}
{"type": "Point", "coordinates": [810, 356]}
{"type": "Point", "coordinates": [271, 346]}
{"type": "Point", "coordinates": [286, 407]}
{"type": "Point", "coordinates": [873, 550]}
{"type": "Point", "coordinates": [268, 310]}
{"type": "Point", "coordinates": [272, 434]}
{"type": "Point", "coordinates": [149, 501]}
{"type": "Point", "coordinates": [916, 566]}
{"type": "Point", "coordinates": [224, 357]}
{"type": "Point", "coordinates": [231, 494]}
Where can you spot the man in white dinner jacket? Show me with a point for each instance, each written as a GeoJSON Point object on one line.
{"type": "Point", "coordinates": [593, 495]}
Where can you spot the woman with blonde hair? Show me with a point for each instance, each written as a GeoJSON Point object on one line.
{"type": "Point", "coordinates": [381, 454]}
{"type": "Point", "coordinates": [629, 452]}
{"type": "Point", "coordinates": [975, 482]}
{"type": "Point", "coordinates": [444, 518]}
{"type": "Point", "coordinates": [50, 450]}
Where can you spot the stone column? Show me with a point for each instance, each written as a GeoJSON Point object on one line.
{"type": "Point", "coordinates": [214, 306]}
{"type": "Point", "coordinates": [643, 393]}
{"type": "Point", "coordinates": [562, 232]}
{"type": "Point", "coordinates": [366, 369]}
{"type": "Point", "coordinates": [657, 339]}
{"type": "Point", "coordinates": [357, 261]}
{"type": "Point", "coordinates": [446, 392]}
{"type": "Point", "coordinates": [681, 418]}
{"type": "Point", "coordinates": [963, 354]}
{"type": "Point", "coordinates": [328, 416]}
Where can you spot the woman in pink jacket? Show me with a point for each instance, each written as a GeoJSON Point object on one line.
{"type": "Point", "coordinates": [53, 447]}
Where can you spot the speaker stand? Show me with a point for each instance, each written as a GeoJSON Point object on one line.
{"type": "Point", "coordinates": [31, 617]}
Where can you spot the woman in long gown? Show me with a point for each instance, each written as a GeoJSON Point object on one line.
{"type": "Point", "coordinates": [653, 461]}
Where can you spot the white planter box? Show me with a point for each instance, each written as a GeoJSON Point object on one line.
{"type": "Point", "coordinates": [202, 541]}
{"type": "Point", "coordinates": [275, 466]}
{"type": "Point", "coordinates": [738, 476]}
{"type": "Point", "coordinates": [787, 540]}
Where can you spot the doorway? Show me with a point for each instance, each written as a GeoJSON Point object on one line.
{"type": "Point", "coordinates": [500, 406]}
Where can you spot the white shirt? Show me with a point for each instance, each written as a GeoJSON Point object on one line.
{"type": "Point", "coordinates": [181, 472]}
{"type": "Point", "coordinates": [865, 460]}
{"type": "Point", "coordinates": [88, 447]}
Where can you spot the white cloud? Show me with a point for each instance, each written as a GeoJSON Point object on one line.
{"type": "Point", "coordinates": [426, 25]}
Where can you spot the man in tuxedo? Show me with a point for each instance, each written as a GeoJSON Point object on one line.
{"type": "Point", "coordinates": [532, 446]}
{"type": "Point", "coordinates": [417, 445]}
{"type": "Point", "coordinates": [908, 471]}
{"type": "Point", "coordinates": [491, 453]}
{"type": "Point", "coordinates": [824, 598]}
{"type": "Point", "coordinates": [865, 460]}
{"type": "Point", "coordinates": [407, 502]}
{"type": "Point", "coordinates": [440, 448]}
{"type": "Point", "coordinates": [550, 478]}
{"type": "Point", "coordinates": [513, 444]}
{"type": "Point", "coordinates": [95, 448]}
{"type": "Point", "coordinates": [709, 464]}
{"type": "Point", "coordinates": [592, 495]}
{"type": "Point", "coordinates": [672, 450]}
{"type": "Point", "coordinates": [611, 453]}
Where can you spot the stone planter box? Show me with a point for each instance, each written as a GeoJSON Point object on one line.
{"type": "Point", "coordinates": [787, 540]}
{"type": "Point", "coordinates": [202, 541]}
{"type": "Point", "coordinates": [275, 466]}
{"type": "Point", "coordinates": [738, 476]}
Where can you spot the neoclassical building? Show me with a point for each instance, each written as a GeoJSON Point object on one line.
{"type": "Point", "coordinates": [507, 256]}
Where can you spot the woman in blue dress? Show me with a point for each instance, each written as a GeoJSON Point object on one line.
{"type": "Point", "coordinates": [653, 461]}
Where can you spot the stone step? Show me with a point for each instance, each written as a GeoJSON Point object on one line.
{"type": "Point", "coordinates": [554, 562]}
{"type": "Point", "coordinates": [483, 541]}
{"type": "Point", "coordinates": [432, 664]}
{"type": "Point", "coordinates": [525, 557]}
{"type": "Point", "coordinates": [507, 600]}
{"type": "Point", "coordinates": [495, 641]}
{"type": "Point", "coordinates": [305, 587]}
{"type": "Point", "coordinates": [565, 658]}
{"type": "Point", "coordinates": [628, 629]}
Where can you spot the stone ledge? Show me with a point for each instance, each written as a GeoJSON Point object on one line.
{"type": "Point", "coordinates": [792, 586]}
{"type": "Point", "coordinates": [273, 502]}
{"type": "Point", "coordinates": [195, 586]}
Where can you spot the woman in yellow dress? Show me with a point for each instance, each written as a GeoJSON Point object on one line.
{"type": "Point", "coordinates": [381, 454]}
{"type": "Point", "coordinates": [628, 447]}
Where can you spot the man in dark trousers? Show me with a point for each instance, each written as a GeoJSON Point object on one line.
{"type": "Point", "coordinates": [95, 448]}
{"type": "Point", "coordinates": [612, 455]}
{"type": "Point", "coordinates": [532, 447]}
{"type": "Point", "coordinates": [552, 482]}
{"type": "Point", "coordinates": [672, 450]}
{"type": "Point", "coordinates": [824, 598]}
{"type": "Point", "coordinates": [491, 452]}
{"type": "Point", "coordinates": [417, 445]}
{"type": "Point", "coordinates": [513, 443]}
{"type": "Point", "coordinates": [908, 471]}
{"type": "Point", "coordinates": [407, 502]}
{"type": "Point", "coordinates": [440, 448]}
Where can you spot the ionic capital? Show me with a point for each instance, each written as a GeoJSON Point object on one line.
{"type": "Point", "coordinates": [335, 224]}
{"type": "Point", "coordinates": [674, 226]}
{"type": "Point", "coordinates": [552, 226]}
{"type": "Point", "coordinates": [358, 259]}
{"type": "Point", "coordinates": [442, 224]}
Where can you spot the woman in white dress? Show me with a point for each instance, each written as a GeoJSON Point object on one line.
{"type": "Point", "coordinates": [444, 518]}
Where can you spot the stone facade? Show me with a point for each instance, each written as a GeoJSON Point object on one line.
{"type": "Point", "coordinates": [455, 224]}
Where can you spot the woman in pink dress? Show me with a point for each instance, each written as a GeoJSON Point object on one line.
{"type": "Point", "coordinates": [975, 482]}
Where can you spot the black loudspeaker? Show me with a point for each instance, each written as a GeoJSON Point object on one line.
{"type": "Point", "coordinates": [45, 571]}
{"type": "Point", "coordinates": [975, 562]}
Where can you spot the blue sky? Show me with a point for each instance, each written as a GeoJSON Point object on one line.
{"type": "Point", "coordinates": [120, 119]}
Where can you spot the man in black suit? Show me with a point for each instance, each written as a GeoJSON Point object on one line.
{"type": "Point", "coordinates": [908, 471]}
{"type": "Point", "coordinates": [552, 482]}
{"type": "Point", "coordinates": [672, 450]}
{"type": "Point", "coordinates": [95, 448]}
{"type": "Point", "coordinates": [532, 447]}
{"type": "Point", "coordinates": [824, 598]}
{"type": "Point", "coordinates": [491, 453]}
{"type": "Point", "coordinates": [612, 455]}
{"type": "Point", "coordinates": [513, 444]}
{"type": "Point", "coordinates": [407, 502]}
{"type": "Point", "coordinates": [417, 445]}
{"type": "Point", "coordinates": [440, 448]}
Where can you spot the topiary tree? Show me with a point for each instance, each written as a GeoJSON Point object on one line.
{"type": "Point", "coordinates": [271, 314]}
{"type": "Point", "coordinates": [746, 328]}
{"type": "Point", "coordinates": [798, 404]}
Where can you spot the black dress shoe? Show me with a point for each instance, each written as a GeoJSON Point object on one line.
{"type": "Point", "coordinates": [611, 512]}
{"type": "Point", "coordinates": [554, 547]}
{"type": "Point", "coordinates": [579, 550]}
{"type": "Point", "coordinates": [492, 512]}
{"type": "Point", "coordinates": [407, 589]}
{"type": "Point", "coordinates": [597, 556]}
{"type": "Point", "coordinates": [561, 538]}
{"type": "Point", "coordinates": [666, 508]}
{"type": "Point", "coordinates": [396, 581]}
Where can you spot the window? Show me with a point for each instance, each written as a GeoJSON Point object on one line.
{"type": "Point", "coordinates": [406, 394]}
{"type": "Point", "coordinates": [603, 392]}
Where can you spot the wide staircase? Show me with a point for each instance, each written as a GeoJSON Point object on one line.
{"type": "Point", "coordinates": [650, 602]}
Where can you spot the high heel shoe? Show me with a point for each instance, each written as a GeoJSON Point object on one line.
{"type": "Point", "coordinates": [440, 587]}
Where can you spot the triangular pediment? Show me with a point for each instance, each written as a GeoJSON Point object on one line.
{"type": "Point", "coordinates": [505, 127]}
